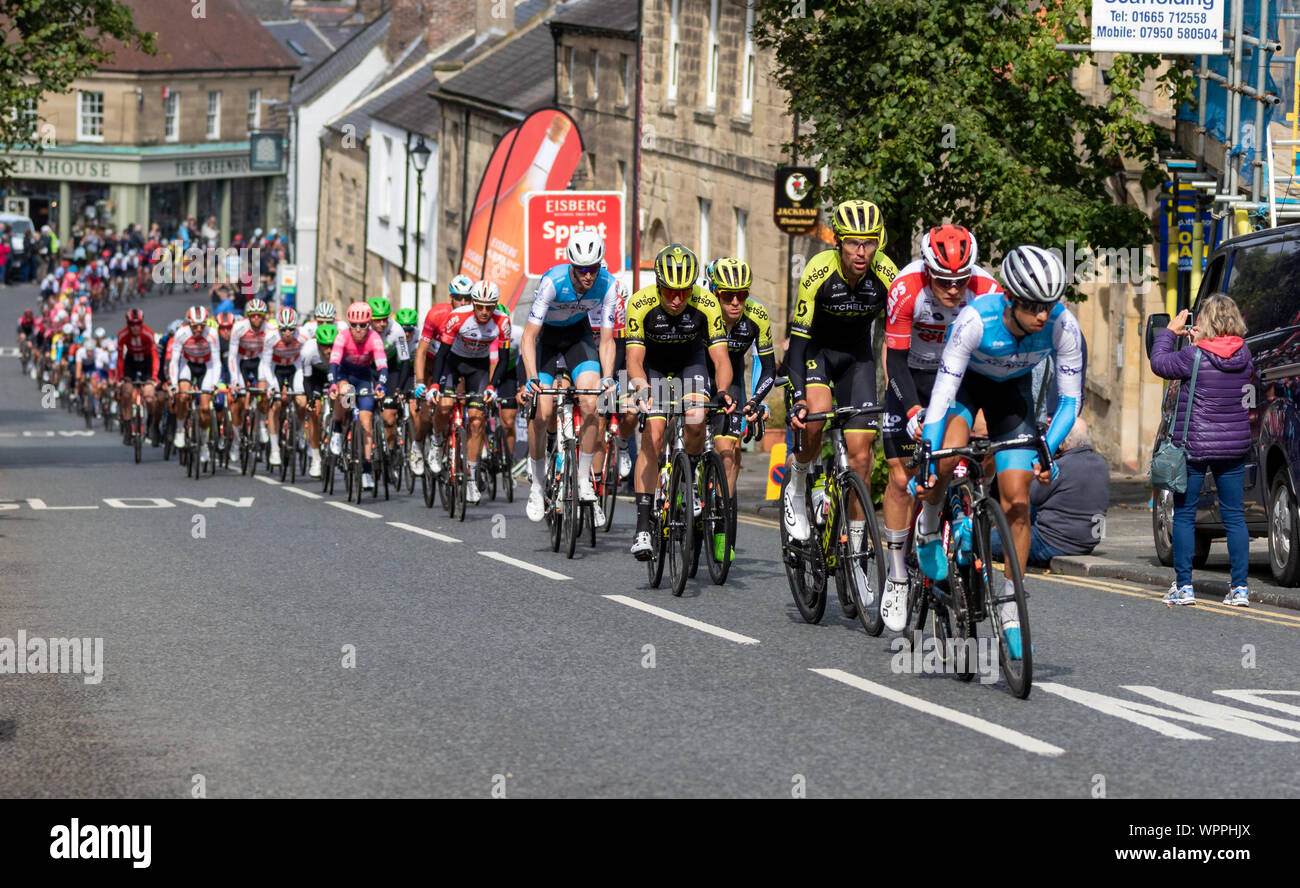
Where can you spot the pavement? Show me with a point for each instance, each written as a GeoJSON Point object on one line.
{"type": "Point", "coordinates": [1125, 552]}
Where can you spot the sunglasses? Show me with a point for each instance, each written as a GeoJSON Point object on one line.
{"type": "Point", "coordinates": [950, 283]}
{"type": "Point", "coordinates": [733, 295]}
{"type": "Point", "coordinates": [855, 244]}
{"type": "Point", "coordinates": [675, 293]}
{"type": "Point", "coordinates": [586, 269]}
{"type": "Point", "coordinates": [1033, 308]}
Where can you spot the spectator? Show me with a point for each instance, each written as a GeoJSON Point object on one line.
{"type": "Point", "coordinates": [210, 233]}
{"type": "Point", "coordinates": [5, 250]}
{"type": "Point", "coordinates": [183, 232]}
{"type": "Point", "coordinates": [1217, 433]}
{"type": "Point", "coordinates": [45, 248]}
{"type": "Point", "coordinates": [1067, 516]}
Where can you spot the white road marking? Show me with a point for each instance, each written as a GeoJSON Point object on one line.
{"type": "Point", "coordinates": [979, 725]}
{"type": "Point", "coordinates": [1137, 713]}
{"type": "Point", "coordinates": [347, 508]}
{"type": "Point", "coordinates": [685, 621]}
{"type": "Point", "coordinates": [301, 492]}
{"type": "Point", "coordinates": [422, 532]}
{"type": "Point", "coordinates": [506, 559]}
{"type": "Point", "coordinates": [266, 480]}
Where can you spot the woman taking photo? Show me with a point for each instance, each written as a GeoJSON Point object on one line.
{"type": "Point", "coordinates": [1217, 432]}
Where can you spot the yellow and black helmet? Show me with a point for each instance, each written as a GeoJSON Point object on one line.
{"type": "Point", "coordinates": [731, 274]}
{"type": "Point", "coordinates": [858, 218]}
{"type": "Point", "coordinates": [676, 267]}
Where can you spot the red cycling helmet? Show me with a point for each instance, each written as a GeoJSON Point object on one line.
{"type": "Point", "coordinates": [135, 316]}
{"type": "Point", "coordinates": [359, 313]}
{"type": "Point", "coordinates": [949, 251]}
{"type": "Point", "coordinates": [196, 315]}
{"type": "Point", "coordinates": [225, 319]}
{"type": "Point", "coordinates": [107, 253]}
{"type": "Point", "coordinates": [287, 318]}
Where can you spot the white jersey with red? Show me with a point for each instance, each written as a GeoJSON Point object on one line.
{"type": "Point", "coordinates": [187, 349]}
{"type": "Point", "coordinates": [81, 318]}
{"type": "Point", "coordinates": [278, 353]}
{"type": "Point", "coordinates": [918, 322]}
{"type": "Point", "coordinates": [470, 339]}
{"type": "Point", "coordinates": [246, 344]}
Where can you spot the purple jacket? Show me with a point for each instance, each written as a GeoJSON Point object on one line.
{"type": "Point", "coordinates": [1220, 424]}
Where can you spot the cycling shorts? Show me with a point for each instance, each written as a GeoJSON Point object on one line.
{"type": "Point", "coordinates": [692, 372]}
{"type": "Point", "coordinates": [136, 371]}
{"type": "Point", "coordinates": [1008, 406]}
{"type": "Point", "coordinates": [364, 387]}
{"type": "Point", "coordinates": [191, 371]}
{"type": "Point", "coordinates": [473, 370]}
{"type": "Point", "coordinates": [316, 381]}
{"type": "Point", "coordinates": [284, 377]}
{"type": "Point", "coordinates": [851, 374]}
{"type": "Point", "coordinates": [510, 389]}
{"type": "Point", "coordinates": [568, 347]}
{"type": "Point", "coordinates": [893, 431]}
{"type": "Point", "coordinates": [250, 371]}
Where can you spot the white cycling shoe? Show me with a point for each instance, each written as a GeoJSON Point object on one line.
{"type": "Point", "coordinates": [472, 495]}
{"type": "Point", "coordinates": [794, 508]}
{"type": "Point", "coordinates": [586, 491]}
{"type": "Point", "coordinates": [893, 605]}
{"type": "Point", "coordinates": [313, 470]}
{"type": "Point", "coordinates": [417, 460]}
{"type": "Point", "coordinates": [178, 439]}
{"type": "Point", "coordinates": [336, 443]}
{"type": "Point", "coordinates": [275, 456]}
{"type": "Point", "coordinates": [367, 481]}
{"type": "Point", "coordinates": [536, 508]}
{"type": "Point", "coordinates": [435, 457]}
{"type": "Point", "coordinates": [597, 514]}
{"type": "Point", "coordinates": [643, 546]}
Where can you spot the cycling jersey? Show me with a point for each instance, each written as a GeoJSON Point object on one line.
{"type": "Point", "coordinates": [140, 348]}
{"type": "Point", "coordinates": [464, 337]}
{"type": "Point", "coordinates": [980, 342]}
{"type": "Point", "coordinates": [698, 325]}
{"type": "Point", "coordinates": [193, 351]}
{"type": "Point", "coordinates": [247, 343]}
{"type": "Point", "coordinates": [282, 360]}
{"type": "Point", "coordinates": [557, 304]}
{"type": "Point", "coordinates": [359, 361]}
{"type": "Point", "coordinates": [752, 330]}
{"type": "Point", "coordinates": [433, 320]}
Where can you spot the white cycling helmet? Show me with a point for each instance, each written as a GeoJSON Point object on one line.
{"type": "Point", "coordinates": [485, 293]}
{"type": "Point", "coordinates": [585, 248]}
{"type": "Point", "coordinates": [325, 311]}
{"type": "Point", "coordinates": [68, 329]}
{"type": "Point", "coordinates": [1033, 274]}
{"type": "Point", "coordinates": [100, 332]}
{"type": "Point", "coordinates": [460, 286]}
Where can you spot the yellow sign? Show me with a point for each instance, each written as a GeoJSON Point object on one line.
{"type": "Point", "coordinates": [775, 471]}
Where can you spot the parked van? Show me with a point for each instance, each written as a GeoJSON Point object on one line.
{"type": "Point", "coordinates": [1260, 272]}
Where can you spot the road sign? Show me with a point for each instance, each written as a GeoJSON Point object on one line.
{"type": "Point", "coordinates": [551, 216]}
{"type": "Point", "coordinates": [1168, 27]}
{"type": "Point", "coordinates": [795, 199]}
{"type": "Point", "coordinates": [286, 284]}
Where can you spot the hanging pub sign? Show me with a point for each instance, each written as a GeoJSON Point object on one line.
{"type": "Point", "coordinates": [795, 207]}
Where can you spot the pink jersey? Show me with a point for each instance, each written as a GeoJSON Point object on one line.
{"type": "Point", "coordinates": [358, 359]}
{"type": "Point", "coordinates": [470, 339]}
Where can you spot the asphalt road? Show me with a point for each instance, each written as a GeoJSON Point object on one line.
{"type": "Point", "coordinates": [258, 640]}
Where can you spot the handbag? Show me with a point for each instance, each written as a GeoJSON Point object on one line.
{"type": "Point", "coordinates": [1169, 463]}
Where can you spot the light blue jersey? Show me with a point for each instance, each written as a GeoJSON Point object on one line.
{"type": "Point", "coordinates": [556, 304]}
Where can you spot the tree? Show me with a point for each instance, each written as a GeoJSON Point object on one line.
{"type": "Point", "coordinates": [47, 45]}
{"type": "Point", "coordinates": [964, 111]}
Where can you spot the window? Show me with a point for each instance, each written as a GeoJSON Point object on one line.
{"type": "Point", "coordinates": [674, 50]}
{"type": "Point", "coordinates": [171, 115]}
{"type": "Point", "coordinates": [742, 236]}
{"type": "Point", "coordinates": [1262, 281]}
{"type": "Point", "coordinates": [90, 116]}
{"type": "Point", "coordinates": [704, 254]}
{"type": "Point", "coordinates": [214, 114]}
{"type": "Point", "coordinates": [624, 77]}
{"type": "Point", "coordinates": [622, 176]}
{"type": "Point", "coordinates": [568, 69]}
{"type": "Point", "coordinates": [748, 70]}
{"type": "Point", "coordinates": [711, 84]}
{"type": "Point", "coordinates": [385, 157]}
{"type": "Point", "coordinates": [595, 74]}
{"type": "Point", "coordinates": [254, 110]}
{"type": "Point", "coordinates": [24, 115]}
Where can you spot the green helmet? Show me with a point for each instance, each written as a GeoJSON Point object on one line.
{"type": "Point", "coordinates": [379, 307]}
{"type": "Point", "coordinates": [407, 317]}
{"type": "Point", "coordinates": [326, 333]}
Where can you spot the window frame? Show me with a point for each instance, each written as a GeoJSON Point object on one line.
{"type": "Point", "coordinates": [174, 99]}
{"type": "Point", "coordinates": [254, 109]}
{"type": "Point", "coordinates": [214, 117]}
{"type": "Point", "coordinates": [82, 134]}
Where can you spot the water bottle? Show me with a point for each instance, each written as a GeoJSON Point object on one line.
{"type": "Point", "coordinates": [820, 503]}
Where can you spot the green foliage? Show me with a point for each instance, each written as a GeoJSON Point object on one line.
{"type": "Point", "coordinates": [964, 111]}
{"type": "Point", "coordinates": [879, 475]}
{"type": "Point", "coordinates": [47, 45]}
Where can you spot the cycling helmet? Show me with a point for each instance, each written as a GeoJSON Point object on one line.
{"type": "Point", "coordinates": [325, 311]}
{"type": "Point", "coordinates": [858, 218]}
{"type": "Point", "coordinates": [68, 329]}
{"type": "Point", "coordinates": [27, 313]}
{"type": "Point", "coordinates": [676, 267]}
{"type": "Point", "coordinates": [287, 318]}
{"type": "Point", "coordinates": [1033, 274]}
{"type": "Point", "coordinates": [407, 317]}
{"type": "Point", "coordinates": [255, 306]}
{"type": "Point", "coordinates": [225, 319]}
{"type": "Point", "coordinates": [326, 334]}
{"type": "Point", "coordinates": [585, 248]}
{"type": "Point", "coordinates": [107, 253]}
{"type": "Point", "coordinates": [135, 316]}
{"type": "Point", "coordinates": [380, 308]}
{"type": "Point", "coordinates": [359, 313]}
{"type": "Point", "coordinates": [949, 251]}
{"type": "Point", "coordinates": [708, 277]}
{"type": "Point", "coordinates": [173, 327]}
{"type": "Point", "coordinates": [100, 332]}
{"type": "Point", "coordinates": [72, 268]}
{"type": "Point", "coordinates": [485, 293]}
{"type": "Point", "coordinates": [196, 315]}
{"type": "Point", "coordinates": [460, 286]}
{"type": "Point", "coordinates": [731, 274]}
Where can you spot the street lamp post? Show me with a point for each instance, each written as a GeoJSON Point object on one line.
{"type": "Point", "coordinates": [420, 159]}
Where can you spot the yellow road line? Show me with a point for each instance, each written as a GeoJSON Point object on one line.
{"type": "Point", "coordinates": [756, 522]}
{"type": "Point", "coordinates": [1203, 605]}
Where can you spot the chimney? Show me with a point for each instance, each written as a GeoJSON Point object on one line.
{"type": "Point", "coordinates": [494, 16]}
{"type": "Point", "coordinates": [369, 10]}
{"type": "Point", "coordinates": [441, 21]}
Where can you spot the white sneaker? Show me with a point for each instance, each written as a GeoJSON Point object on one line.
{"type": "Point", "coordinates": [367, 481]}
{"type": "Point", "coordinates": [205, 456]}
{"type": "Point", "coordinates": [642, 546]}
{"type": "Point", "coordinates": [893, 605]}
{"type": "Point", "coordinates": [263, 436]}
{"type": "Point", "coordinates": [313, 470]}
{"type": "Point", "coordinates": [471, 493]}
{"type": "Point", "coordinates": [416, 460]}
{"type": "Point", "coordinates": [536, 508]}
{"type": "Point", "coordinates": [597, 515]}
{"type": "Point", "coordinates": [336, 443]}
{"type": "Point", "coordinates": [275, 456]}
{"type": "Point", "coordinates": [178, 439]}
{"type": "Point", "coordinates": [624, 464]}
{"type": "Point", "coordinates": [795, 512]}
{"type": "Point", "coordinates": [435, 458]}
{"type": "Point", "coordinates": [586, 490]}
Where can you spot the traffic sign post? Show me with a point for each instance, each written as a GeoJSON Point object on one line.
{"type": "Point", "coordinates": [550, 217]}
{"type": "Point", "coordinates": [286, 285]}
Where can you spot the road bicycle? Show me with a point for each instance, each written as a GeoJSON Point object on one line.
{"type": "Point", "coordinates": [608, 479]}
{"type": "Point", "coordinates": [354, 448]}
{"type": "Point", "coordinates": [290, 435]}
{"type": "Point", "coordinates": [566, 515]}
{"type": "Point", "coordinates": [972, 592]}
{"type": "Point", "coordinates": [853, 555]}
{"type": "Point", "coordinates": [252, 450]}
{"type": "Point", "coordinates": [453, 481]}
{"type": "Point", "coordinates": [715, 520]}
{"type": "Point", "coordinates": [497, 461]}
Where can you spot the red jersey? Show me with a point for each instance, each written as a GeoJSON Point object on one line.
{"type": "Point", "coordinates": [434, 320]}
{"type": "Point", "coordinates": [138, 346]}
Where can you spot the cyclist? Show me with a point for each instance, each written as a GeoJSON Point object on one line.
{"type": "Point", "coordinates": [627, 422]}
{"type": "Point", "coordinates": [400, 358]}
{"type": "Point", "coordinates": [570, 300]}
{"type": "Point", "coordinates": [923, 302]}
{"type": "Point", "coordinates": [137, 364]}
{"type": "Point", "coordinates": [358, 362]}
{"type": "Point", "coordinates": [408, 322]}
{"type": "Point", "coordinates": [225, 326]}
{"type": "Point", "coordinates": [671, 326]}
{"type": "Point", "coordinates": [987, 363]}
{"type": "Point", "coordinates": [315, 357]}
{"type": "Point", "coordinates": [469, 335]}
{"type": "Point", "coordinates": [195, 362]}
{"type": "Point", "coordinates": [458, 291]}
{"type": "Point", "coordinates": [281, 369]}
{"type": "Point", "coordinates": [841, 293]}
{"type": "Point", "coordinates": [747, 327]}
{"type": "Point", "coordinates": [247, 340]}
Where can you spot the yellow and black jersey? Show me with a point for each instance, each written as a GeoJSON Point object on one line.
{"type": "Point", "coordinates": [650, 327]}
{"type": "Point", "coordinates": [831, 312]}
{"type": "Point", "coordinates": [753, 327]}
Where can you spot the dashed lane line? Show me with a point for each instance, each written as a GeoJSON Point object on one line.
{"type": "Point", "coordinates": [506, 559]}
{"type": "Point", "coordinates": [433, 535]}
{"type": "Point", "coordinates": [974, 723]}
{"type": "Point", "coordinates": [301, 492]}
{"type": "Point", "coordinates": [266, 480]}
{"type": "Point", "coordinates": [353, 509]}
{"type": "Point", "coordinates": [685, 621]}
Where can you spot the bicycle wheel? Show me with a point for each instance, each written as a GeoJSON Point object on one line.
{"type": "Point", "coordinates": [356, 436]}
{"type": "Point", "coordinates": [659, 549]}
{"type": "Point", "coordinates": [165, 427]}
{"type": "Point", "coordinates": [608, 482]}
{"type": "Point", "coordinates": [861, 550]}
{"type": "Point", "coordinates": [462, 475]}
{"type": "Point", "coordinates": [805, 570]}
{"type": "Point", "coordinates": [569, 505]}
{"type": "Point", "coordinates": [1019, 673]}
{"type": "Point", "coordinates": [193, 441]}
{"type": "Point", "coordinates": [506, 465]}
{"type": "Point", "coordinates": [428, 484]}
{"type": "Point", "coordinates": [137, 433]}
{"type": "Point", "coordinates": [384, 468]}
{"type": "Point", "coordinates": [719, 527]}
{"type": "Point", "coordinates": [488, 471]}
{"type": "Point", "coordinates": [408, 445]}
{"type": "Point", "coordinates": [291, 442]}
{"type": "Point", "coordinates": [286, 442]}
{"type": "Point", "coordinates": [681, 521]}
{"type": "Point", "coordinates": [553, 512]}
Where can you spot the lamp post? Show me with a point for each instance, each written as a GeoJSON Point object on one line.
{"type": "Point", "coordinates": [420, 159]}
